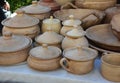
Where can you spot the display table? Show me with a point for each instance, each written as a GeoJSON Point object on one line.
{"type": "Point", "coordinates": [22, 73]}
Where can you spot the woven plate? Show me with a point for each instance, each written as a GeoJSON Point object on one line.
{"type": "Point", "coordinates": [103, 37]}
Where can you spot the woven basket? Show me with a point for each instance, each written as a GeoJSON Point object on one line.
{"type": "Point", "coordinates": [89, 17]}
{"type": "Point", "coordinates": [12, 58]}
{"type": "Point", "coordinates": [95, 4]}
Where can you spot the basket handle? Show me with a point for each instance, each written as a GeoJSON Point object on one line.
{"type": "Point", "coordinates": [68, 5]}
{"type": "Point", "coordinates": [63, 63]}
{"type": "Point", "coordinates": [86, 18]}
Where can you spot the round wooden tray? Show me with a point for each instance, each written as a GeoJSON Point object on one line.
{"type": "Point", "coordinates": [102, 36]}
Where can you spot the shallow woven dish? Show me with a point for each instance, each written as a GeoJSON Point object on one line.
{"type": "Point", "coordinates": [78, 59]}
{"type": "Point", "coordinates": [103, 37]}
{"type": "Point", "coordinates": [88, 17]}
{"type": "Point", "coordinates": [22, 24]}
{"type": "Point", "coordinates": [42, 57]}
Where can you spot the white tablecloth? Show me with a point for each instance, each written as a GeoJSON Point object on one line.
{"type": "Point", "coordinates": [22, 73]}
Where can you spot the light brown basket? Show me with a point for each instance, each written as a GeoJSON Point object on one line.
{"type": "Point", "coordinates": [89, 17]}
{"type": "Point", "coordinates": [95, 4]}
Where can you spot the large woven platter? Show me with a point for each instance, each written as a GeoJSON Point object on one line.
{"type": "Point", "coordinates": [102, 36]}
{"type": "Point", "coordinates": [89, 17]}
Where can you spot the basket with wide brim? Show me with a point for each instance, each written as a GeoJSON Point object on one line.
{"type": "Point", "coordinates": [89, 17]}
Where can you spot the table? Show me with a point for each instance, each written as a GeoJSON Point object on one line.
{"type": "Point", "coordinates": [22, 73]}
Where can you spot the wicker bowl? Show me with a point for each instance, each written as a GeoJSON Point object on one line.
{"type": "Point", "coordinates": [89, 17]}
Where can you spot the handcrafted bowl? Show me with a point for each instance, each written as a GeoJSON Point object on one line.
{"type": "Point", "coordinates": [55, 24]}
{"type": "Point", "coordinates": [89, 17]}
{"type": "Point", "coordinates": [44, 58]}
{"type": "Point", "coordinates": [50, 38]}
{"type": "Point", "coordinates": [76, 60]}
{"type": "Point", "coordinates": [14, 49]}
{"type": "Point", "coordinates": [110, 67]}
{"type": "Point", "coordinates": [39, 11]}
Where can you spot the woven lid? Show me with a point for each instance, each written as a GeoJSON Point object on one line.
{"type": "Point", "coordinates": [11, 43]}
{"type": "Point", "coordinates": [20, 20]}
{"type": "Point", "coordinates": [71, 21]}
{"type": "Point", "coordinates": [35, 8]}
{"type": "Point", "coordinates": [76, 33]}
{"type": "Point", "coordinates": [80, 53]}
{"type": "Point", "coordinates": [49, 37]}
{"type": "Point", "coordinates": [51, 20]}
{"type": "Point", "coordinates": [45, 52]}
